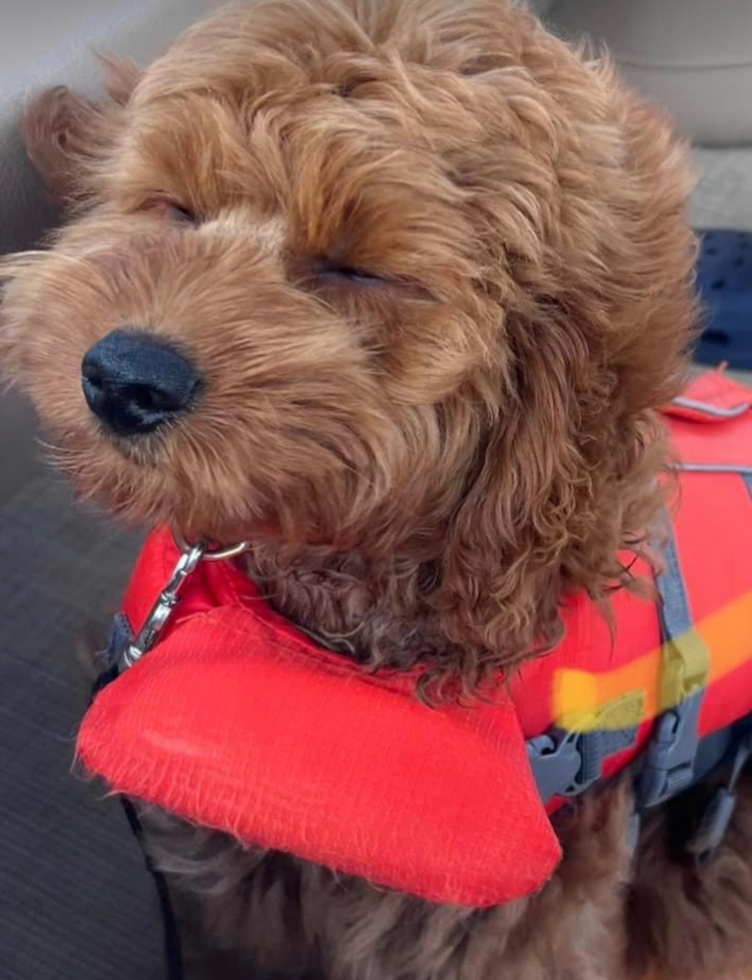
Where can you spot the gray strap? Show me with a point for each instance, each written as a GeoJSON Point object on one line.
{"type": "Point", "coordinates": [565, 763]}
{"type": "Point", "coordinates": [597, 746]}
{"type": "Point", "coordinates": [713, 410]}
{"type": "Point", "coordinates": [671, 753]}
{"type": "Point", "coordinates": [744, 469]}
{"type": "Point", "coordinates": [686, 658]}
{"type": "Point", "coordinates": [676, 617]}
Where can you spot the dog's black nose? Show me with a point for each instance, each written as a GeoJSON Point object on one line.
{"type": "Point", "coordinates": [134, 381]}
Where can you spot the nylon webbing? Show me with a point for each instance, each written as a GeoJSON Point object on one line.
{"type": "Point", "coordinates": [565, 762]}
{"type": "Point", "coordinates": [686, 658]}
{"type": "Point", "coordinates": [596, 746]}
{"type": "Point", "coordinates": [670, 758]}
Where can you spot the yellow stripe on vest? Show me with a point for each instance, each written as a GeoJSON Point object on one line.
{"type": "Point", "coordinates": [582, 699]}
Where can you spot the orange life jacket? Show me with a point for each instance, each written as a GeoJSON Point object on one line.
{"type": "Point", "coordinates": [238, 721]}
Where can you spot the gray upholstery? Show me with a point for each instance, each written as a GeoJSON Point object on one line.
{"type": "Point", "coordinates": [723, 197]}
{"type": "Point", "coordinates": [692, 56]}
{"type": "Point", "coordinates": [540, 6]}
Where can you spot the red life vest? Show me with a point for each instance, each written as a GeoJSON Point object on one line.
{"type": "Point", "coordinates": [238, 721]}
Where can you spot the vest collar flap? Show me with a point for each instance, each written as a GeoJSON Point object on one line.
{"type": "Point", "coordinates": [238, 722]}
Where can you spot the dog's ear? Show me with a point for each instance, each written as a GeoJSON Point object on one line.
{"type": "Point", "coordinates": [497, 590]}
{"type": "Point", "coordinates": [122, 77]}
{"type": "Point", "coordinates": [546, 510]}
{"type": "Point", "coordinates": [67, 135]}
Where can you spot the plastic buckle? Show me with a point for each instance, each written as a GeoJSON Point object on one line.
{"type": "Point", "coordinates": [556, 762]}
{"type": "Point", "coordinates": [669, 763]}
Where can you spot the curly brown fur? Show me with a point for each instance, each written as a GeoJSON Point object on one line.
{"type": "Point", "coordinates": [299, 920]}
{"type": "Point", "coordinates": [427, 461]}
{"type": "Point", "coordinates": [487, 408]}
{"type": "Point", "coordinates": [693, 922]}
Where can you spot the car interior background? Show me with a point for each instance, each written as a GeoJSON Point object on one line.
{"type": "Point", "coordinates": [74, 898]}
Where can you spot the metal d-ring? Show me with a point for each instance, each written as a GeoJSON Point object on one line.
{"type": "Point", "coordinates": [191, 557]}
{"type": "Point", "coordinates": [212, 554]}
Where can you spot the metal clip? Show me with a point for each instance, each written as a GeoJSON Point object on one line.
{"type": "Point", "coordinates": [162, 609]}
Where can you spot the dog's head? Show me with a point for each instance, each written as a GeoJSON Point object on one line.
{"type": "Point", "coordinates": [403, 276]}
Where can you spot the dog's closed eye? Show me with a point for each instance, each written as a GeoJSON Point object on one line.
{"type": "Point", "coordinates": [335, 276]}
{"type": "Point", "coordinates": [333, 271]}
{"type": "Point", "coordinates": [166, 207]}
{"type": "Point", "coordinates": [181, 213]}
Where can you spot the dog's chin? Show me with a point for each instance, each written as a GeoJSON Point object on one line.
{"type": "Point", "coordinates": [143, 451]}
{"type": "Point", "coordinates": [133, 487]}
{"type": "Point", "coordinates": [146, 481]}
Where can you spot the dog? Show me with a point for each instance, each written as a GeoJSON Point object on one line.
{"type": "Point", "coordinates": [420, 276]}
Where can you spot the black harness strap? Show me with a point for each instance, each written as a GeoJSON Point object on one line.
{"type": "Point", "coordinates": [173, 949]}
{"type": "Point", "coordinates": [120, 635]}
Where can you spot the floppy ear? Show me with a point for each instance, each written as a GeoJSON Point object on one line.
{"type": "Point", "coordinates": [122, 76]}
{"type": "Point", "coordinates": [562, 484]}
{"type": "Point", "coordinates": [500, 565]}
{"type": "Point", "coordinates": [66, 135]}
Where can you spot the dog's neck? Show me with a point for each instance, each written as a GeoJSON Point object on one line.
{"type": "Point", "coordinates": [376, 613]}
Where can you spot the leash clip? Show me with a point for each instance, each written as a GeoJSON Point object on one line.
{"type": "Point", "coordinates": [161, 612]}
